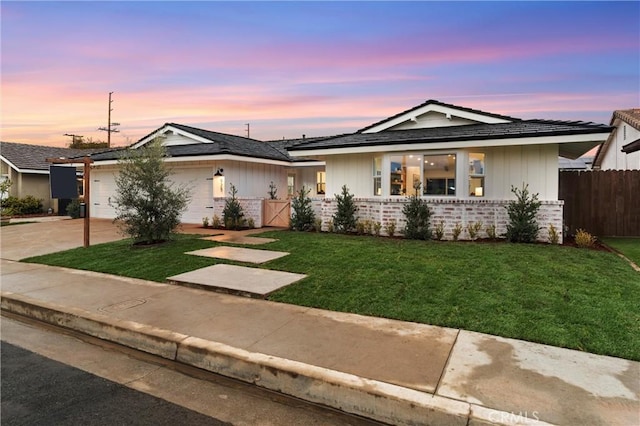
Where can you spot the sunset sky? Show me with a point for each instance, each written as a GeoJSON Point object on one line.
{"type": "Point", "coordinates": [314, 68]}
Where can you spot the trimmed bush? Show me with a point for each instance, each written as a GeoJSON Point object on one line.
{"type": "Point", "coordinates": [344, 219]}
{"type": "Point", "coordinates": [418, 215]}
{"type": "Point", "coordinates": [522, 226]}
{"type": "Point", "coordinates": [303, 217]}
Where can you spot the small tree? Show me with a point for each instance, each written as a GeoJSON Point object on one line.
{"type": "Point", "coordinates": [417, 214]}
{"type": "Point", "coordinates": [273, 190]}
{"type": "Point", "coordinates": [303, 216]}
{"type": "Point", "coordinates": [522, 226]}
{"type": "Point", "coordinates": [344, 219]}
{"type": "Point", "coordinates": [232, 215]}
{"type": "Point", "coordinates": [149, 205]}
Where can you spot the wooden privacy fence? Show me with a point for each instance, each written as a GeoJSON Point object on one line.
{"type": "Point", "coordinates": [603, 203]}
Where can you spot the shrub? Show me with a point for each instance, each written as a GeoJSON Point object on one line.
{"type": "Point", "coordinates": [330, 226]}
{"type": "Point", "coordinates": [368, 226]}
{"type": "Point", "coordinates": [377, 226]}
{"type": "Point", "coordinates": [417, 214]}
{"type": "Point", "coordinates": [272, 191]}
{"type": "Point", "coordinates": [233, 214]}
{"type": "Point", "coordinates": [584, 239]}
{"type": "Point", "coordinates": [215, 222]}
{"type": "Point", "coordinates": [303, 216]}
{"type": "Point", "coordinates": [491, 231]}
{"type": "Point", "coordinates": [205, 221]}
{"type": "Point", "coordinates": [390, 227]}
{"type": "Point", "coordinates": [474, 230]}
{"type": "Point", "coordinates": [439, 231]}
{"type": "Point", "coordinates": [317, 225]}
{"type": "Point", "coordinates": [457, 230]}
{"type": "Point", "coordinates": [22, 206]}
{"type": "Point", "coordinates": [251, 223]}
{"type": "Point", "coordinates": [73, 208]}
{"type": "Point", "coordinates": [522, 226]}
{"type": "Point", "coordinates": [554, 237]}
{"type": "Point", "coordinates": [148, 204]}
{"type": "Point", "coordinates": [360, 227]}
{"type": "Point", "coordinates": [344, 219]}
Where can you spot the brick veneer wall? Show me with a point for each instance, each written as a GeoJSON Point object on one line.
{"type": "Point", "coordinates": [251, 207]}
{"type": "Point", "coordinates": [451, 212]}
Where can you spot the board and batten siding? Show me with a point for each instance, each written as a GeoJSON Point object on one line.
{"type": "Point", "coordinates": [535, 165]}
{"type": "Point", "coordinates": [250, 179]}
{"type": "Point", "coordinates": [353, 170]}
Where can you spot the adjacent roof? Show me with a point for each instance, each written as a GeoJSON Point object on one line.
{"type": "Point", "coordinates": [435, 102]}
{"type": "Point", "coordinates": [27, 158]}
{"type": "Point", "coordinates": [217, 144]}
{"type": "Point", "coordinates": [629, 116]}
{"type": "Point", "coordinates": [472, 132]}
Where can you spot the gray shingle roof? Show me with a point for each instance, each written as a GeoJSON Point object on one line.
{"type": "Point", "coordinates": [516, 129]}
{"type": "Point", "coordinates": [34, 157]}
{"type": "Point", "coordinates": [435, 102]}
{"type": "Point", "coordinates": [222, 143]}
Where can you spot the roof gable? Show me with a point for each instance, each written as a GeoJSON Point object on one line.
{"type": "Point", "coordinates": [433, 113]}
{"type": "Point", "coordinates": [629, 116]}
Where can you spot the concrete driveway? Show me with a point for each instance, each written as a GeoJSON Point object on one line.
{"type": "Point", "coordinates": [34, 239]}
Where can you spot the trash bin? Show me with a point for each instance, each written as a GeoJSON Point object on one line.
{"type": "Point", "coordinates": [83, 209]}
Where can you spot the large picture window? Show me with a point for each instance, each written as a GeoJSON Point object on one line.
{"type": "Point", "coordinates": [439, 174]}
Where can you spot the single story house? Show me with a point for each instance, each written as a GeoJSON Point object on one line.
{"type": "Point", "coordinates": [27, 167]}
{"type": "Point", "coordinates": [210, 162]}
{"type": "Point", "coordinates": [621, 151]}
{"type": "Point", "coordinates": [465, 160]}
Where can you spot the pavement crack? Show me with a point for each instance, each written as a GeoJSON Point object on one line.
{"type": "Point", "coordinates": [446, 364]}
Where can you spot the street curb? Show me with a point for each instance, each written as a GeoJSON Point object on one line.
{"type": "Point", "coordinates": [369, 398]}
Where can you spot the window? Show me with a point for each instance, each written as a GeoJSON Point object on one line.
{"type": "Point", "coordinates": [377, 176]}
{"type": "Point", "coordinates": [405, 173]}
{"type": "Point", "coordinates": [476, 175]}
{"type": "Point", "coordinates": [320, 183]}
{"type": "Point", "coordinates": [291, 185]}
{"type": "Point", "coordinates": [439, 174]}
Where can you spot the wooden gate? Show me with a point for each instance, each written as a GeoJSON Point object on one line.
{"type": "Point", "coordinates": [276, 213]}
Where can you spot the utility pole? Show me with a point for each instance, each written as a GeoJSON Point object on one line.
{"type": "Point", "coordinates": [110, 126]}
{"type": "Point", "coordinates": [248, 131]}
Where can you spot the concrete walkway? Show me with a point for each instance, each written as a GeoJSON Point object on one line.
{"type": "Point", "coordinates": [391, 371]}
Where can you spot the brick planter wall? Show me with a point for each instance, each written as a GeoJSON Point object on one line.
{"type": "Point", "coordinates": [251, 207]}
{"type": "Point", "coordinates": [451, 212]}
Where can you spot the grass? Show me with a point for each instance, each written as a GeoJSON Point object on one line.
{"type": "Point", "coordinates": [630, 247]}
{"type": "Point", "coordinates": [562, 296]}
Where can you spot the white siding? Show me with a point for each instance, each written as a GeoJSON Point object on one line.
{"type": "Point", "coordinates": [535, 165]}
{"type": "Point", "coordinates": [614, 158]}
{"type": "Point", "coordinates": [355, 171]}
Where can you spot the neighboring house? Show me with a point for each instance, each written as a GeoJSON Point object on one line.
{"type": "Point", "coordinates": [579, 164]}
{"type": "Point", "coordinates": [210, 162]}
{"type": "Point", "coordinates": [621, 150]}
{"type": "Point", "coordinates": [465, 161]}
{"type": "Point", "coordinates": [26, 165]}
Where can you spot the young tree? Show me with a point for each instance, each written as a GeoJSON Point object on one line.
{"type": "Point", "coordinates": [522, 226]}
{"type": "Point", "coordinates": [303, 215]}
{"type": "Point", "coordinates": [344, 219]}
{"type": "Point", "coordinates": [418, 216]}
{"type": "Point", "coordinates": [233, 214]}
{"type": "Point", "coordinates": [149, 205]}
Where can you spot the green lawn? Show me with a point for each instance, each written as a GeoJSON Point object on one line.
{"type": "Point", "coordinates": [630, 247]}
{"type": "Point", "coordinates": [562, 296]}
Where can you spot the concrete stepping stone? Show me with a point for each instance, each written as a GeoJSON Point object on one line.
{"type": "Point", "coordinates": [241, 280]}
{"type": "Point", "coordinates": [239, 254]}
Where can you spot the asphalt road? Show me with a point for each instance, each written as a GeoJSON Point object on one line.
{"type": "Point", "coordinates": [39, 391]}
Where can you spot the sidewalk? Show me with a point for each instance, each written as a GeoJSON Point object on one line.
{"type": "Point", "coordinates": [391, 371]}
